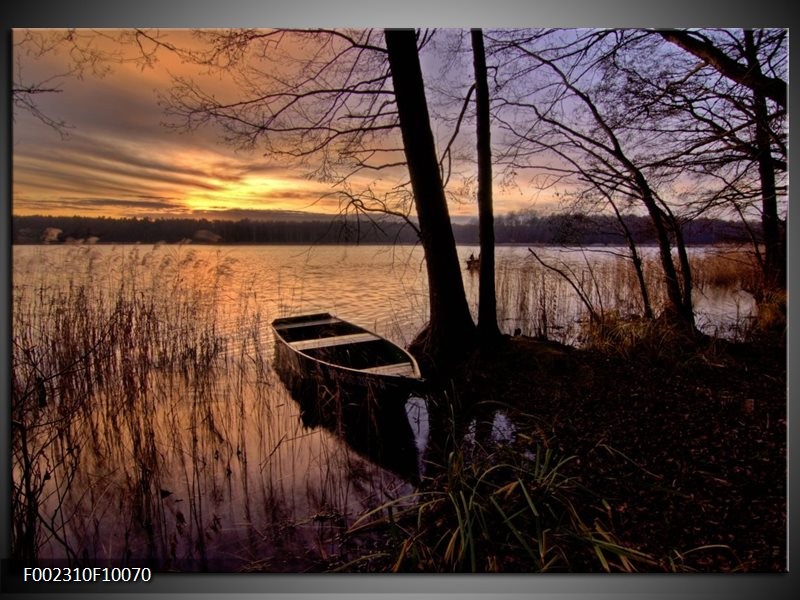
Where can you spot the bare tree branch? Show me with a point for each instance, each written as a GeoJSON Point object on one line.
{"type": "Point", "coordinates": [699, 45]}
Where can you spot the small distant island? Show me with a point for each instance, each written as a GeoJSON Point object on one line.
{"type": "Point", "coordinates": [511, 228]}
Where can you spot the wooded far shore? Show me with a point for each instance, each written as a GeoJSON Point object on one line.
{"type": "Point", "coordinates": [513, 228]}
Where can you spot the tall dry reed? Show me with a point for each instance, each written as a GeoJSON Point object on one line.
{"type": "Point", "coordinates": [149, 425]}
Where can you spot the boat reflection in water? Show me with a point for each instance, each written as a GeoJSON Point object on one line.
{"type": "Point", "coordinates": [352, 382]}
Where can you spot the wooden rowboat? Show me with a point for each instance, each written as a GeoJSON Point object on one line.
{"type": "Point", "coordinates": [352, 382]}
{"type": "Point", "coordinates": [322, 355]}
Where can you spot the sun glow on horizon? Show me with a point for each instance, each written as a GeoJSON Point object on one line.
{"type": "Point", "coordinates": [254, 192]}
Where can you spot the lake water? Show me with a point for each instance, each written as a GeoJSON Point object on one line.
{"type": "Point", "coordinates": [156, 429]}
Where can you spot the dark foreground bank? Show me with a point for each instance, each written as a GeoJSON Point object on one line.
{"type": "Point", "coordinates": [642, 460]}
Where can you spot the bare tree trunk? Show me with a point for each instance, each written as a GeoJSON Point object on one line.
{"type": "Point", "coordinates": [774, 253]}
{"type": "Point", "coordinates": [636, 258]}
{"type": "Point", "coordinates": [680, 311]}
{"type": "Point", "coordinates": [487, 302]}
{"type": "Point", "coordinates": [686, 269]}
{"type": "Point", "coordinates": [451, 331]}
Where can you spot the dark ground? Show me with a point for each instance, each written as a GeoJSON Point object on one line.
{"type": "Point", "coordinates": [683, 450]}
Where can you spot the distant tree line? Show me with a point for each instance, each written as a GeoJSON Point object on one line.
{"type": "Point", "coordinates": [511, 228]}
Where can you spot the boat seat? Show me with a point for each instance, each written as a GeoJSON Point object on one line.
{"type": "Point", "coordinates": [353, 338]}
{"type": "Point", "coordinates": [323, 321]}
{"type": "Point", "coordinates": [395, 369]}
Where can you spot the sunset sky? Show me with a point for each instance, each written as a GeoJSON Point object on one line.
{"type": "Point", "coordinates": [117, 157]}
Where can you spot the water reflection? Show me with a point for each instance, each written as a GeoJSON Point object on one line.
{"type": "Point", "coordinates": [204, 475]}
{"type": "Point", "coordinates": [377, 429]}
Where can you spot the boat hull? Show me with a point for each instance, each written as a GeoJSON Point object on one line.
{"type": "Point", "coordinates": [321, 383]}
